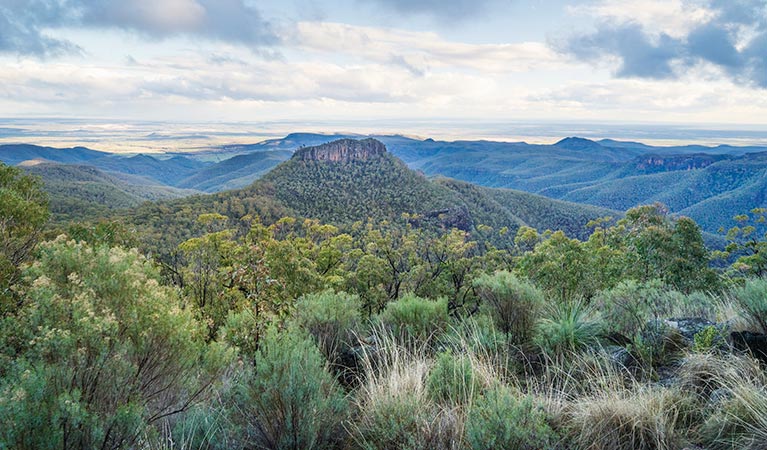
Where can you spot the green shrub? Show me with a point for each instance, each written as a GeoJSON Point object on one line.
{"type": "Point", "coordinates": [416, 319]}
{"type": "Point", "coordinates": [289, 399]}
{"type": "Point", "coordinates": [568, 327]}
{"type": "Point", "coordinates": [452, 379]}
{"type": "Point", "coordinates": [515, 304]}
{"type": "Point", "coordinates": [101, 352]}
{"type": "Point", "coordinates": [500, 419]}
{"type": "Point", "coordinates": [706, 339]}
{"type": "Point", "coordinates": [397, 422]}
{"type": "Point", "coordinates": [628, 307]}
{"type": "Point", "coordinates": [752, 301]}
{"type": "Point", "coordinates": [332, 318]}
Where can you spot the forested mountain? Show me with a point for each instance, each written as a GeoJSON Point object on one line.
{"type": "Point", "coordinates": [167, 171]}
{"type": "Point", "coordinates": [79, 191]}
{"type": "Point", "coordinates": [709, 184]}
{"type": "Point", "coordinates": [348, 181]}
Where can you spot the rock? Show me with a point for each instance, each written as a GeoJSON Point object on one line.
{"type": "Point", "coordinates": [458, 217]}
{"type": "Point", "coordinates": [690, 326]}
{"type": "Point", "coordinates": [621, 357]}
{"type": "Point", "coordinates": [755, 343]}
{"type": "Point", "coordinates": [342, 150]}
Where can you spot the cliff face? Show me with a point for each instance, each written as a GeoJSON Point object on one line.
{"type": "Point", "coordinates": [342, 150]}
{"type": "Point", "coordinates": [655, 163]}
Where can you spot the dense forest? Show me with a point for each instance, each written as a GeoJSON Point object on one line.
{"type": "Point", "coordinates": [279, 318]}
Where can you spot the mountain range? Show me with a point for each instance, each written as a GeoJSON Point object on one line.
{"type": "Point", "coordinates": [711, 184]}
{"type": "Point", "coordinates": [348, 181]}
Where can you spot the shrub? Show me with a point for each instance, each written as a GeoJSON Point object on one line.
{"type": "Point", "coordinates": [630, 420]}
{"type": "Point", "coordinates": [752, 301]}
{"type": "Point", "coordinates": [628, 307]}
{"type": "Point", "coordinates": [452, 379]}
{"type": "Point", "coordinates": [706, 339]}
{"type": "Point", "coordinates": [332, 318]}
{"type": "Point", "coordinates": [101, 352]}
{"type": "Point", "coordinates": [515, 304]}
{"type": "Point", "coordinates": [416, 319]}
{"type": "Point", "coordinates": [500, 419]}
{"type": "Point", "coordinates": [567, 327]}
{"type": "Point", "coordinates": [289, 399]}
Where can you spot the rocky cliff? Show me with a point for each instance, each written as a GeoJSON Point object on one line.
{"type": "Point", "coordinates": [342, 150]}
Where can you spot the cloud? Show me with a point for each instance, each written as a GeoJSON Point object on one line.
{"type": "Point", "coordinates": [441, 9]}
{"type": "Point", "coordinates": [728, 34]}
{"type": "Point", "coordinates": [23, 23]}
{"type": "Point", "coordinates": [420, 52]}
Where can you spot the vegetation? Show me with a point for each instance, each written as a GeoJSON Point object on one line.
{"type": "Point", "coordinates": [394, 331]}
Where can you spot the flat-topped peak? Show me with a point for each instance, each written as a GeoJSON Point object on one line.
{"type": "Point", "coordinates": [342, 150]}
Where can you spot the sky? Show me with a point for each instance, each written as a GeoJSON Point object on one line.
{"type": "Point", "coordinates": [691, 62]}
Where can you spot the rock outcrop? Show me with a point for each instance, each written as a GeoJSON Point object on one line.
{"type": "Point", "coordinates": [342, 150]}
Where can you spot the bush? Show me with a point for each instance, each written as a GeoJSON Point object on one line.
{"type": "Point", "coordinates": [752, 301]}
{"type": "Point", "coordinates": [101, 353]}
{"type": "Point", "coordinates": [515, 304]}
{"type": "Point", "coordinates": [332, 318]}
{"type": "Point", "coordinates": [499, 419]}
{"type": "Point", "coordinates": [452, 379]}
{"type": "Point", "coordinates": [416, 319]}
{"type": "Point", "coordinates": [288, 400]}
{"type": "Point", "coordinates": [628, 307]}
{"type": "Point", "coordinates": [568, 327]}
{"type": "Point", "coordinates": [397, 422]}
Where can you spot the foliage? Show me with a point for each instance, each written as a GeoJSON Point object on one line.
{"type": "Point", "coordinates": [23, 212]}
{"type": "Point", "coordinates": [503, 419]}
{"type": "Point", "coordinates": [335, 322]}
{"type": "Point", "coordinates": [748, 241]}
{"type": "Point", "coordinates": [99, 352]}
{"type": "Point", "coordinates": [416, 319]}
{"type": "Point", "coordinates": [560, 266]}
{"type": "Point", "coordinates": [288, 399]}
{"type": "Point", "coordinates": [452, 379]}
{"type": "Point", "coordinates": [706, 340]}
{"type": "Point", "coordinates": [567, 327]}
{"type": "Point", "coordinates": [630, 306]}
{"type": "Point", "coordinates": [515, 304]}
{"type": "Point", "coordinates": [752, 301]}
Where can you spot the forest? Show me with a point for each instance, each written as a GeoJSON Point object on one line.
{"type": "Point", "coordinates": [275, 330]}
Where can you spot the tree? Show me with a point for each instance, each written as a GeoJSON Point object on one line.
{"type": "Point", "coordinates": [100, 354]}
{"type": "Point", "coordinates": [23, 213]}
{"type": "Point", "coordinates": [748, 241]}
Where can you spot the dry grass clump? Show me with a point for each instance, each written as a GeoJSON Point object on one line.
{"type": "Point", "coordinates": [645, 419]}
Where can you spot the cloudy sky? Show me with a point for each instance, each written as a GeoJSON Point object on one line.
{"type": "Point", "coordinates": [672, 61]}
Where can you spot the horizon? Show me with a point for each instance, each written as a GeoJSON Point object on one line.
{"type": "Point", "coordinates": [131, 137]}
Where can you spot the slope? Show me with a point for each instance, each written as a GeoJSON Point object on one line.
{"type": "Point", "coordinates": [236, 172]}
{"type": "Point", "coordinates": [80, 191]}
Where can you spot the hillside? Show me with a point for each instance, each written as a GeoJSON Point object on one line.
{"type": "Point", "coordinates": [167, 171]}
{"type": "Point", "coordinates": [236, 172]}
{"type": "Point", "coordinates": [349, 180]}
{"type": "Point", "coordinates": [80, 191]}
